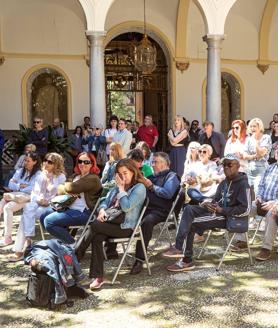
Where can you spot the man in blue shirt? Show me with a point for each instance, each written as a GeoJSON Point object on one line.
{"type": "Point", "coordinates": [162, 186]}
{"type": "Point", "coordinates": [268, 197]}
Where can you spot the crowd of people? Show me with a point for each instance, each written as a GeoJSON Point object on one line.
{"type": "Point", "coordinates": [121, 166]}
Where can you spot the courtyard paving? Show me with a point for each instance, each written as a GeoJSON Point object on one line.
{"type": "Point", "coordinates": [239, 295]}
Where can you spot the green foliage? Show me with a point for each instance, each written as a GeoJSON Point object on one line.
{"type": "Point", "coordinates": [58, 145]}
{"type": "Point", "coordinates": [119, 105]}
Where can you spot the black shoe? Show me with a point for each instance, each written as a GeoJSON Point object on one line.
{"type": "Point", "coordinates": [137, 267]}
{"type": "Point", "coordinates": [112, 255]}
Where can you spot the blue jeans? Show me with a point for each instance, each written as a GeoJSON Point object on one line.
{"type": "Point", "coordinates": [195, 194]}
{"type": "Point", "coordinates": [56, 223]}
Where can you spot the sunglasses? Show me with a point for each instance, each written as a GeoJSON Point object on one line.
{"type": "Point", "coordinates": [86, 162]}
{"type": "Point", "coordinates": [202, 151]}
{"type": "Point", "coordinates": [36, 122]}
{"type": "Point", "coordinates": [235, 127]}
{"type": "Point", "coordinates": [48, 161]}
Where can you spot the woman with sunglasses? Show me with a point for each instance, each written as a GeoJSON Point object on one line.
{"type": "Point", "coordinates": [23, 180]}
{"type": "Point", "coordinates": [179, 139]}
{"type": "Point", "coordinates": [236, 144]}
{"type": "Point", "coordinates": [129, 195]}
{"type": "Point", "coordinates": [39, 137]}
{"type": "Point", "coordinates": [207, 178]}
{"type": "Point", "coordinates": [191, 162]}
{"type": "Point", "coordinates": [45, 188]}
{"type": "Point", "coordinates": [86, 188]}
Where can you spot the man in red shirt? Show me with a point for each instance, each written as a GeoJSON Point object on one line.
{"type": "Point", "coordinates": [148, 132]}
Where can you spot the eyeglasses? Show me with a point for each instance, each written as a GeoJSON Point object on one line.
{"type": "Point", "coordinates": [235, 127]}
{"type": "Point", "coordinates": [202, 151]}
{"type": "Point", "coordinates": [86, 162]}
{"type": "Point", "coordinates": [36, 122]}
{"type": "Point", "coordinates": [48, 161]}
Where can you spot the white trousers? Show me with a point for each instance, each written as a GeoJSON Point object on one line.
{"type": "Point", "coordinates": [8, 209]}
{"type": "Point", "coordinates": [31, 212]}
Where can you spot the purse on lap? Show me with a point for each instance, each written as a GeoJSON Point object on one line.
{"type": "Point", "coordinates": [62, 202]}
{"type": "Point", "coordinates": [114, 215]}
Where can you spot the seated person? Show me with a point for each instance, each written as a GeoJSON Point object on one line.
{"type": "Point", "coordinates": [23, 180]}
{"type": "Point", "coordinates": [267, 197]}
{"type": "Point", "coordinates": [45, 188]}
{"type": "Point", "coordinates": [129, 196]}
{"type": "Point", "coordinates": [204, 180]}
{"type": "Point", "coordinates": [87, 188]}
{"type": "Point", "coordinates": [162, 188]}
{"type": "Point", "coordinates": [148, 156]}
{"type": "Point", "coordinates": [232, 198]}
{"type": "Point", "coordinates": [137, 156]}
{"type": "Point", "coordinates": [108, 174]}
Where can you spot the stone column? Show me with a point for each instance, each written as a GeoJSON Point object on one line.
{"type": "Point", "coordinates": [213, 98]}
{"type": "Point", "coordinates": [97, 78]}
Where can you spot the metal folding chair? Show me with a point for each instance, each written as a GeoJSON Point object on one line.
{"type": "Point", "coordinates": [126, 243]}
{"type": "Point", "coordinates": [171, 218]}
{"type": "Point", "coordinates": [227, 249]}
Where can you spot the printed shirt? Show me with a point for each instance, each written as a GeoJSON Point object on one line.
{"type": "Point", "coordinates": [268, 186]}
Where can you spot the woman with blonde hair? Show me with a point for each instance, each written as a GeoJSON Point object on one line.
{"type": "Point", "coordinates": [45, 188]}
{"type": "Point", "coordinates": [179, 139]}
{"type": "Point", "coordinates": [190, 164]}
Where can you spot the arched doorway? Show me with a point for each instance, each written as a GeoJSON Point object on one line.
{"type": "Point", "coordinates": [130, 95]}
{"type": "Point", "coordinates": [47, 92]}
{"type": "Point", "coordinates": [231, 100]}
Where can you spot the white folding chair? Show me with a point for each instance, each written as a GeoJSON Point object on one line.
{"type": "Point", "coordinates": [171, 218]}
{"type": "Point", "coordinates": [126, 243]}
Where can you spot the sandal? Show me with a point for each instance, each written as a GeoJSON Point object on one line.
{"type": "Point", "coordinates": [15, 258]}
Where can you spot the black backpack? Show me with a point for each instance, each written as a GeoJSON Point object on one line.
{"type": "Point", "coordinates": [40, 290]}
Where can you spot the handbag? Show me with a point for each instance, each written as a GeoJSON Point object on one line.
{"type": "Point", "coordinates": [17, 196]}
{"type": "Point", "coordinates": [114, 215]}
{"type": "Point", "coordinates": [237, 224]}
{"type": "Point", "coordinates": [62, 202]}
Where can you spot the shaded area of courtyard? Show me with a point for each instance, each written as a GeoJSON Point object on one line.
{"type": "Point", "coordinates": [239, 295]}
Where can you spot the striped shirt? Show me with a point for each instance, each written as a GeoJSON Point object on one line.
{"type": "Point", "coordinates": [268, 187]}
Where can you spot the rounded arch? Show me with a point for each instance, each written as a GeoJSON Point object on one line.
{"type": "Point", "coordinates": [24, 91]}
{"type": "Point", "coordinates": [242, 93]}
{"type": "Point", "coordinates": [164, 43]}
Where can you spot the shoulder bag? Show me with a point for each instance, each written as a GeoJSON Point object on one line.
{"type": "Point", "coordinates": [62, 202]}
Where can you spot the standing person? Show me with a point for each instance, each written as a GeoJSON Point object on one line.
{"type": "Point", "coordinates": [110, 132]}
{"type": "Point", "coordinates": [215, 139]}
{"type": "Point", "coordinates": [148, 132]}
{"type": "Point", "coordinates": [129, 195]}
{"type": "Point", "coordinates": [123, 136]}
{"type": "Point", "coordinates": [236, 144]}
{"type": "Point", "coordinates": [275, 117]}
{"type": "Point", "coordinates": [23, 180]}
{"type": "Point", "coordinates": [75, 142]}
{"type": "Point", "coordinates": [45, 188]}
{"type": "Point", "coordinates": [178, 138]}
{"type": "Point", "coordinates": [2, 142]}
{"type": "Point", "coordinates": [39, 137]}
{"type": "Point", "coordinates": [194, 131]}
{"type": "Point", "coordinates": [274, 141]}
{"type": "Point", "coordinates": [58, 130]}
{"type": "Point", "coordinates": [87, 122]}
{"type": "Point", "coordinates": [86, 187]}
{"type": "Point", "coordinates": [258, 147]}
{"type": "Point", "coordinates": [134, 131]}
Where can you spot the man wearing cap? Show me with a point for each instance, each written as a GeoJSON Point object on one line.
{"type": "Point", "coordinates": [215, 139]}
{"type": "Point", "coordinates": [232, 198]}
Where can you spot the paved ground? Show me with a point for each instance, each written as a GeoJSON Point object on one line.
{"type": "Point", "coordinates": [239, 295]}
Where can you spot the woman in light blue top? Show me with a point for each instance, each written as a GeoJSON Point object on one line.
{"type": "Point", "coordinates": [258, 147]}
{"type": "Point", "coordinates": [129, 196]}
{"type": "Point", "coordinates": [23, 180]}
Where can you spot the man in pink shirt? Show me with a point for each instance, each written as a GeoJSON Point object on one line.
{"type": "Point", "coordinates": [148, 132]}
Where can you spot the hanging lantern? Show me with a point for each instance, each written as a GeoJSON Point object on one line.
{"type": "Point", "coordinates": [145, 53]}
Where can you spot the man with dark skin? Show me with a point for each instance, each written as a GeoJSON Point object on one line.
{"type": "Point", "coordinates": [232, 198]}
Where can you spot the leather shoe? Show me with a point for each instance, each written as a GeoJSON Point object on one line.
{"type": "Point", "coordinates": [137, 267]}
